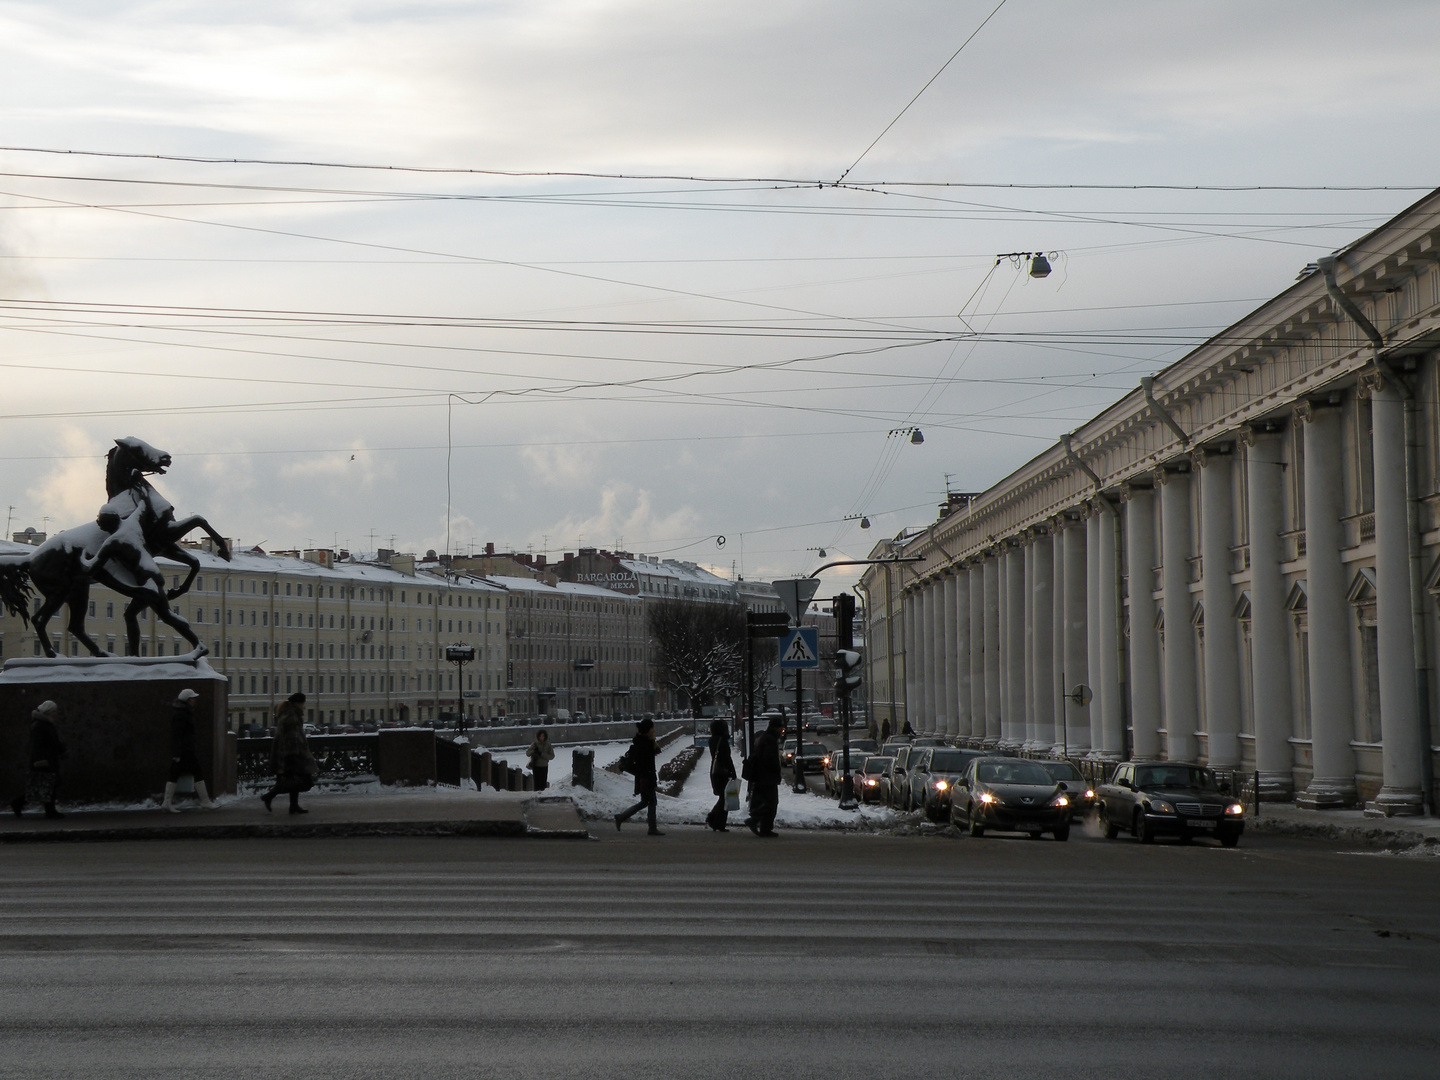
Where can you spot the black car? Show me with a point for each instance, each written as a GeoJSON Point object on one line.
{"type": "Point", "coordinates": [1012, 795]}
{"type": "Point", "coordinates": [1082, 795]}
{"type": "Point", "coordinates": [933, 774]}
{"type": "Point", "coordinates": [1167, 798]}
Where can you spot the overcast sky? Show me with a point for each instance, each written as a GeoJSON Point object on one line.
{"type": "Point", "coordinates": [651, 362]}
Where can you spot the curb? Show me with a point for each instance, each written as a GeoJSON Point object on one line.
{"type": "Point", "coordinates": [335, 830]}
{"type": "Point", "coordinates": [1379, 839]}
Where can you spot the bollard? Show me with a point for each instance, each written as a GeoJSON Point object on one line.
{"type": "Point", "coordinates": [482, 770]}
{"type": "Point", "coordinates": [582, 768]}
{"type": "Point", "coordinates": [527, 781]}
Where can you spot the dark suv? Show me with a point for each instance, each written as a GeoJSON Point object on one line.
{"type": "Point", "coordinates": [1167, 798]}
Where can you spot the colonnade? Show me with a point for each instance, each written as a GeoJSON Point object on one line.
{"type": "Point", "coordinates": [1159, 594]}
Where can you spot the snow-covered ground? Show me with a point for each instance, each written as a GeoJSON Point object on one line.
{"type": "Point", "coordinates": [615, 792]}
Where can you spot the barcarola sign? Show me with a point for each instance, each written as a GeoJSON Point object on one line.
{"type": "Point", "coordinates": [616, 581]}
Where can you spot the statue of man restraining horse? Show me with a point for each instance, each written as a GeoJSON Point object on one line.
{"type": "Point", "coordinates": [118, 550]}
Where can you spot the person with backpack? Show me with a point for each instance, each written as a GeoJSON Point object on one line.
{"type": "Point", "coordinates": [763, 771]}
{"type": "Point", "coordinates": [640, 760]}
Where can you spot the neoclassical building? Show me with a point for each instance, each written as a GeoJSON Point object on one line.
{"type": "Point", "coordinates": [1237, 560]}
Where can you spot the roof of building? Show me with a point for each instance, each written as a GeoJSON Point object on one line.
{"type": "Point", "coordinates": [566, 588]}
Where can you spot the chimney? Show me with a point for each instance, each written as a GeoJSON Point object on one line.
{"type": "Point", "coordinates": [489, 549]}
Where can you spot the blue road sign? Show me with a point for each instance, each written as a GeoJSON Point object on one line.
{"type": "Point", "coordinates": [800, 649]}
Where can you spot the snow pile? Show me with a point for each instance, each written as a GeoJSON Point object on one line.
{"type": "Point", "coordinates": [614, 793]}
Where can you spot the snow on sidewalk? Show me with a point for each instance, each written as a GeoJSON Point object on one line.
{"type": "Point", "coordinates": [616, 792]}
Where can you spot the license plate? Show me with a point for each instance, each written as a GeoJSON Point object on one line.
{"type": "Point", "coordinates": [1200, 824]}
{"type": "Point", "coordinates": [1031, 826]}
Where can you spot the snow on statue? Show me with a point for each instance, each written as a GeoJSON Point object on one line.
{"type": "Point", "coordinates": [118, 550]}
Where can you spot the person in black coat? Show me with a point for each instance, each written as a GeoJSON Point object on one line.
{"type": "Point", "coordinates": [764, 773]}
{"type": "Point", "coordinates": [42, 762]}
{"type": "Point", "coordinates": [722, 769]}
{"type": "Point", "coordinates": [642, 754]}
{"type": "Point", "coordinates": [184, 758]}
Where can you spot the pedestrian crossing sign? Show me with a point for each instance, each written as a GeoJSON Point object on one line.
{"type": "Point", "coordinates": [800, 648]}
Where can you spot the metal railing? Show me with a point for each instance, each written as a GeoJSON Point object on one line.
{"type": "Point", "coordinates": [343, 759]}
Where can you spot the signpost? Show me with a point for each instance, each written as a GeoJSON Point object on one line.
{"type": "Point", "coordinates": [758, 624]}
{"type": "Point", "coordinates": [798, 652]}
{"type": "Point", "coordinates": [460, 655]}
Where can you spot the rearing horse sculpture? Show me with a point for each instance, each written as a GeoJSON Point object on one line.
{"type": "Point", "coordinates": [117, 550]}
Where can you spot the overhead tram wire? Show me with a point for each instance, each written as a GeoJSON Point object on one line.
{"type": "Point", "coordinates": [700, 179]}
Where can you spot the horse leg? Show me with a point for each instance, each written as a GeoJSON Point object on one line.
{"type": "Point", "coordinates": [132, 625]}
{"type": "Point", "coordinates": [41, 619]}
{"type": "Point", "coordinates": [179, 554]}
{"type": "Point", "coordinates": [172, 618]}
{"type": "Point", "coordinates": [179, 528]}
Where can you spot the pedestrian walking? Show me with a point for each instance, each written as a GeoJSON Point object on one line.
{"type": "Point", "coordinates": [722, 771]}
{"type": "Point", "coordinates": [184, 760]}
{"type": "Point", "coordinates": [42, 762]}
{"type": "Point", "coordinates": [762, 769]}
{"type": "Point", "coordinates": [541, 753]}
{"type": "Point", "coordinates": [640, 759]}
{"type": "Point", "coordinates": [290, 758]}
{"type": "Point", "coordinates": [884, 731]}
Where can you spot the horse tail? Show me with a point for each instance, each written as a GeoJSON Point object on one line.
{"type": "Point", "coordinates": [15, 591]}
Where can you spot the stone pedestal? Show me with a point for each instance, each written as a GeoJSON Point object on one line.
{"type": "Point", "coordinates": [114, 718]}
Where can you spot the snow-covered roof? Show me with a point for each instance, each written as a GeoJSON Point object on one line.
{"type": "Point", "coordinates": [672, 568]}
{"type": "Point", "coordinates": [563, 588]}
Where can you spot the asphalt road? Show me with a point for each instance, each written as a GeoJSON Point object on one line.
{"type": "Point", "coordinates": [707, 955]}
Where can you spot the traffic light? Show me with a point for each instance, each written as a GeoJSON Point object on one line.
{"type": "Point", "coordinates": [847, 672]}
{"type": "Point", "coordinates": [843, 607]}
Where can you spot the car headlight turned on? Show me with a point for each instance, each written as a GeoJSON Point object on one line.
{"type": "Point", "coordinates": [1059, 800]}
{"type": "Point", "coordinates": [1089, 793]}
{"type": "Point", "coordinates": [872, 783]}
{"type": "Point", "coordinates": [1159, 806]}
{"type": "Point", "coordinates": [1234, 810]}
{"type": "Point", "coordinates": [988, 799]}
{"type": "Point", "coordinates": [942, 785]}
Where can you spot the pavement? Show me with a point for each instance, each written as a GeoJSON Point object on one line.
{"type": "Point", "coordinates": [1396, 833]}
{"type": "Point", "coordinates": [382, 812]}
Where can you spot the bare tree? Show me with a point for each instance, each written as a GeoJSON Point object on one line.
{"type": "Point", "coordinates": [699, 649]}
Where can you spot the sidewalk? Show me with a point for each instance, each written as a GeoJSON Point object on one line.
{"type": "Point", "coordinates": [387, 812]}
{"type": "Point", "coordinates": [1350, 826]}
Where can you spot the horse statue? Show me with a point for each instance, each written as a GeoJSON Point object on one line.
{"type": "Point", "coordinates": [117, 550]}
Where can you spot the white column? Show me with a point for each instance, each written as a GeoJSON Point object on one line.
{"type": "Point", "coordinates": [1028, 569]}
{"type": "Point", "coordinates": [1042, 609]}
{"type": "Point", "coordinates": [1144, 638]}
{"type": "Point", "coordinates": [1332, 723]}
{"type": "Point", "coordinates": [1270, 700]}
{"type": "Point", "coordinates": [1403, 743]}
{"type": "Point", "coordinates": [1181, 714]}
{"type": "Point", "coordinates": [1222, 649]}
{"type": "Point", "coordinates": [910, 654]}
{"type": "Point", "coordinates": [1058, 744]}
{"type": "Point", "coordinates": [936, 608]}
{"type": "Point", "coordinates": [960, 610]}
{"type": "Point", "coordinates": [1112, 708]}
{"type": "Point", "coordinates": [925, 719]}
{"type": "Point", "coordinates": [1077, 670]}
{"type": "Point", "coordinates": [950, 660]}
{"type": "Point", "coordinates": [977, 650]}
{"type": "Point", "coordinates": [1012, 728]}
{"type": "Point", "coordinates": [994, 696]}
{"type": "Point", "coordinates": [1092, 619]}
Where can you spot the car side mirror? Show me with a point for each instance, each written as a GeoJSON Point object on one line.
{"type": "Point", "coordinates": [1126, 785]}
{"type": "Point", "coordinates": [1224, 787]}
{"type": "Point", "coordinates": [1064, 786]}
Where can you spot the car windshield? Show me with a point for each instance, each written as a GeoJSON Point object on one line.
{"type": "Point", "coordinates": [1061, 770]}
{"type": "Point", "coordinates": [877, 764]}
{"type": "Point", "coordinates": [864, 746]}
{"type": "Point", "coordinates": [1175, 776]}
{"type": "Point", "coordinates": [1012, 772]}
{"type": "Point", "coordinates": [947, 761]}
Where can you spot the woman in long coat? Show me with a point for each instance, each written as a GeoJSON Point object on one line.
{"type": "Point", "coordinates": [290, 758]}
{"type": "Point", "coordinates": [722, 770]}
{"type": "Point", "coordinates": [184, 759]}
{"type": "Point", "coordinates": [642, 755]}
{"type": "Point", "coordinates": [541, 753]}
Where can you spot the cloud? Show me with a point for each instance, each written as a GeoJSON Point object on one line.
{"type": "Point", "coordinates": [625, 516]}
{"type": "Point", "coordinates": [71, 491]}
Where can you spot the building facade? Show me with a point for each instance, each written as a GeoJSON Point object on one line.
{"type": "Point", "coordinates": [366, 643]}
{"type": "Point", "coordinates": [1236, 563]}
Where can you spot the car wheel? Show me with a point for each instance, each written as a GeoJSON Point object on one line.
{"type": "Point", "coordinates": [1111, 830]}
{"type": "Point", "coordinates": [955, 821]}
{"type": "Point", "coordinates": [1142, 832]}
{"type": "Point", "coordinates": [1063, 833]}
{"type": "Point", "coordinates": [976, 829]}
{"type": "Point", "coordinates": [1229, 839]}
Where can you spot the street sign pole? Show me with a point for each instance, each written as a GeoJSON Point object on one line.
{"type": "Point", "coordinates": [799, 732]}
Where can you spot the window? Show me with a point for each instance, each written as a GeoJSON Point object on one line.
{"type": "Point", "coordinates": [109, 610]}
{"type": "Point", "coordinates": [91, 609]}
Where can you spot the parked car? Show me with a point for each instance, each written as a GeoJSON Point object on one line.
{"type": "Point", "coordinates": [933, 773]}
{"type": "Point", "coordinates": [834, 770]}
{"type": "Point", "coordinates": [869, 778]}
{"type": "Point", "coordinates": [1011, 795]}
{"type": "Point", "coordinates": [812, 755]}
{"type": "Point", "coordinates": [897, 786]}
{"type": "Point", "coordinates": [1169, 798]}
{"type": "Point", "coordinates": [1074, 784]}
